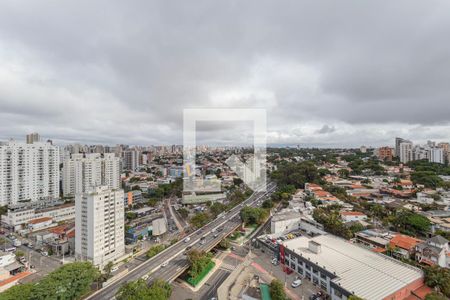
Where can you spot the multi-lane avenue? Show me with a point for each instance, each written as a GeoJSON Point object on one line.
{"type": "Point", "coordinates": [172, 262]}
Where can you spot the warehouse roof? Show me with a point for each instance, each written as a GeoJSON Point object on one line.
{"type": "Point", "coordinates": [360, 271]}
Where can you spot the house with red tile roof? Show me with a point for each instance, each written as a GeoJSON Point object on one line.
{"type": "Point", "coordinates": [350, 216]}
{"type": "Point", "coordinates": [404, 245]}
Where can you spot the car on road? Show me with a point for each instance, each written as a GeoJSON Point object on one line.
{"type": "Point", "coordinates": [296, 283]}
{"type": "Point", "coordinates": [274, 261]}
{"type": "Point", "coordinates": [164, 264]}
{"type": "Point", "coordinates": [216, 234]}
{"type": "Point", "coordinates": [186, 240]}
{"type": "Point", "coordinates": [188, 248]}
{"type": "Point", "coordinates": [145, 277]}
{"type": "Point", "coordinates": [44, 253]}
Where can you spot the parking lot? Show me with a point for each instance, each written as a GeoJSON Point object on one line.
{"type": "Point", "coordinates": [304, 291]}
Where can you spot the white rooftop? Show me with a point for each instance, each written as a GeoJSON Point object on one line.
{"type": "Point", "coordinates": [365, 273]}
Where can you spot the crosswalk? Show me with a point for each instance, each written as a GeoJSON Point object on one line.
{"type": "Point", "coordinates": [227, 266]}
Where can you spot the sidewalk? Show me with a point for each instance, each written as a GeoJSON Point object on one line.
{"type": "Point", "coordinates": [255, 264]}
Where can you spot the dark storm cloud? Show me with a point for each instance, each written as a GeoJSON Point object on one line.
{"type": "Point", "coordinates": [116, 72]}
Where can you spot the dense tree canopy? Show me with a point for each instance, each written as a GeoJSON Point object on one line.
{"type": "Point", "coordinates": [438, 277]}
{"type": "Point", "coordinates": [330, 218]}
{"type": "Point", "coordinates": [198, 260]}
{"type": "Point", "coordinates": [138, 290]}
{"type": "Point", "coordinates": [254, 215]}
{"type": "Point", "coordinates": [411, 223]}
{"type": "Point", "coordinates": [296, 174]}
{"type": "Point", "coordinates": [200, 219]}
{"type": "Point", "coordinates": [69, 282]}
{"type": "Point", "coordinates": [155, 250]}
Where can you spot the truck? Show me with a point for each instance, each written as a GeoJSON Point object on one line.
{"type": "Point", "coordinates": [17, 243]}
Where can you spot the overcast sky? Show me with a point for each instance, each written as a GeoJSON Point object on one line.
{"type": "Point", "coordinates": [329, 73]}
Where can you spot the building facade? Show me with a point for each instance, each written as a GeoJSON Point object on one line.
{"type": "Point", "coordinates": [99, 225]}
{"type": "Point", "coordinates": [406, 152]}
{"type": "Point", "coordinates": [81, 172]}
{"type": "Point", "coordinates": [343, 269]}
{"type": "Point", "coordinates": [385, 153]}
{"type": "Point", "coordinates": [28, 172]}
{"type": "Point", "coordinates": [17, 217]}
{"type": "Point", "coordinates": [131, 160]}
{"type": "Point", "coordinates": [33, 138]}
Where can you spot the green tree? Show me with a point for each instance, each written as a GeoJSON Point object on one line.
{"type": "Point", "coordinates": [198, 261]}
{"type": "Point", "coordinates": [107, 270]}
{"type": "Point", "coordinates": [436, 276]}
{"type": "Point", "coordinates": [138, 290]}
{"type": "Point", "coordinates": [70, 281]}
{"type": "Point", "coordinates": [217, 208]}
{"type": "Point", "coordinates": [268, 204]}
{"type": "Point", "coordinates": [344, 173]}
{"type": "Point", "coordinates": [21, 291]}
{"type": "Point", "coordinates": [184, 213]}
{"type": "Point", "coordinates": [296, 174]}
{"type": "Point", "coordinates": [20, 253]}
{"type": "Point", "coordinates": [435, 296]}
{"type": "Point", "coordinates": [354, 297]}
{"type": "Point", "coordinates": [411, 223]}
{"type": "Point", "coordinates": [225, 244]}
{"type": "Point", "coordinates": [200, 219]}
{"type": "Point", "coordinates": [253, 215]}
{"type": "Point", "coordinates": [277, 290]}
{"type": "Point", "coordinates": [237, 181]}
{"type": "Point", "coordinates": [155, 250]}
{"type": "Point", "coordinates": [3, 211]}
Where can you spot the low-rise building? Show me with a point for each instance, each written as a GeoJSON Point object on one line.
{"type": "Point", "coordinates": [343, 269]}
{"type": "Point", "coordinates": [350, 216]}
{"type": "Point", "coordinates": [404, 245]}
{"type": "Point", "coordinates": [20, 215]}
{"type": "Point", "coordinates": [373, 239]}
{"type": "Point", "coordinates": [434, 251]}
{"type": "Point", "coordinates": [284, 221]}
{"type": "Point", "coordinates": [40, 223]}
{"type": "Point", "coordinates": [7, 258]}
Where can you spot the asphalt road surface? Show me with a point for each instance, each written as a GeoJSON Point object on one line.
{"type": "Point", "coordinates": [174, 255]}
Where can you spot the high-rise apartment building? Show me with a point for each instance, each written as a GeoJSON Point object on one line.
{"type": "Point", "coordinates": [81, 172]}
{"type": "Point", "coordinates": [437, 155]}
{"type": "Point", "coordinates": [385, 153]}
{"type": "Point", "coordinates": [33, 138]}
{"type": "Point", "coordinates": [398, 141]}
{"type": "Point", "coordinates": [406, 152]}
{"type": "Point", "coordinates": [99, 225]}
{"type": "Point", "coordinates": [28, 172]}
{"type": "Point", "coordinates": [131, 159]}
{"type": "Point", "coordinates": [446, 148]}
